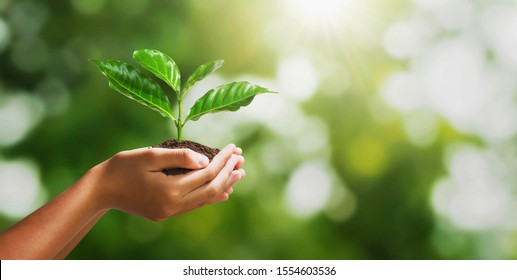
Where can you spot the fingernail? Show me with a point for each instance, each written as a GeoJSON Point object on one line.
{"type": "Point", "coordinates": [202, 160]}
{"type": "Point", "coordinates": [235, 178]}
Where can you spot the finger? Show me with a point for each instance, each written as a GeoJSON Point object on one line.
{"type": "Point", "coordinates": [160, 158]}
{"type": "Point", "coordinates": [226, 195]}
{"type": "Point", "coordinates": [223, 197]}
{"type": "Point", "coordinates": [240, 163]}
{"type": "Point", "coordinates": [236, 176]}
{"type": "Point", "coordinates": [237, 151]}
{"type": "Point", "coordinates": [201, 177]}
{"type": "Point", "coordinates": [217, 186]}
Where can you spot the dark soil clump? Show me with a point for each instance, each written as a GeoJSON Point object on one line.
{"type": "Point", "coordinates": [185, 144]}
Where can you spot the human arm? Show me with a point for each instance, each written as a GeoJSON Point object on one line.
{"type": "Point", "coordinates": [132, 182]}
{"type": "Point", "coordinates": [78, 237]}
{"type": "Point", "coordinates": [236, 175]}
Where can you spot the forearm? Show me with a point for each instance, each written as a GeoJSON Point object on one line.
{"type": "Point", "coordinates": [71, 245]}
{"type": "Point", "coordinates": [47, 231]}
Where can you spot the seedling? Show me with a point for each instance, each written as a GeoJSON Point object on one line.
{"type": "Point", "coordinates": [134, 84]}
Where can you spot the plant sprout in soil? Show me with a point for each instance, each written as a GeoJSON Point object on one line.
{"type": "Point", "coordinates": [134, 84]}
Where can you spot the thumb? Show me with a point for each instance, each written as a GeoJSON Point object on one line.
{"type": "Point", "coordinates": [171, 158]}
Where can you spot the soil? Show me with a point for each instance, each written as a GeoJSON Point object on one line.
{"type": "Point", "coordinates": [185, 144]}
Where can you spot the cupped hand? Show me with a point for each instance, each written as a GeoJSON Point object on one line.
{"type": "Point", "coordinates": [133, 181]}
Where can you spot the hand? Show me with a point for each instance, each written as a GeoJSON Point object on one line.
{"type": "Point", "coordinates": [132, 181]}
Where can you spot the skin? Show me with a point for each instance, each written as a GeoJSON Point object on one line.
{"type": "Point", "coordinates": [132, 182]}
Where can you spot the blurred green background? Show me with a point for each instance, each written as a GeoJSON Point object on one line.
{"type": "Point", "coordinates": [393, 137]}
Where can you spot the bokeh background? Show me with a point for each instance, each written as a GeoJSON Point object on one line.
{"type": "Point", "coordinates": [393, 136]}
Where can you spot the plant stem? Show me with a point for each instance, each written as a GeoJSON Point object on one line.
{"type": "Point", "coordinates": [179, 124]}
{"type": "Point", "coordinates": [179, 132]}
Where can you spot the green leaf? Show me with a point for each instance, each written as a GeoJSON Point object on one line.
{"type": "Point", "coordinates": [229, 97]}
{"type": "Point", "coordinates": [160, 65]}
{"type": "Point", "coordinates": [201, 72]}
{"type": "Point", "coordinates": [132, 83]}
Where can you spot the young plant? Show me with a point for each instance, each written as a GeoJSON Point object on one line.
{"type": "Point", "coordinates": [134, 84]}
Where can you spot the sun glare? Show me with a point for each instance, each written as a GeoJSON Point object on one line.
{"type": "Point", "coordinates": [332, 24]}
{"type": "Point", "coordinates": [318, 12]}
{"type": "Point", "coordinates": [335, 30]}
